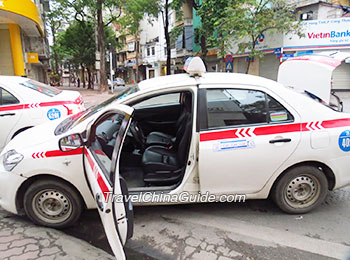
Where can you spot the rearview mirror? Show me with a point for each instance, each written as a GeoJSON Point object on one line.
{"type": "Point", "coordinates": [70, 142]}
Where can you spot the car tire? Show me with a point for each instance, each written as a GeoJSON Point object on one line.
{"type": "Point", "coordinates": [300, 190]}
{"type": "Point", "coordinates": [52, 203]}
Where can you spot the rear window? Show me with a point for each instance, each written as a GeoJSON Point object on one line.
{"type": "Point", "coordinates": [41, 88]}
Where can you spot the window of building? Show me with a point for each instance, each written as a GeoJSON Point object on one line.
{"type": "Point", "coordinates": [148, 51]}
{"type": "Point", "coordinates": [153, 51]}
{"type": "Point", "coordinates": [6, 98]}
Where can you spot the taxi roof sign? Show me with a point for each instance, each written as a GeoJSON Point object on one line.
{"type": "Point", "coordinates": [194, 66]}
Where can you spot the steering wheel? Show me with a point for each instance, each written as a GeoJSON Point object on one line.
{"type": "Point", "coordinates": [137, 134]}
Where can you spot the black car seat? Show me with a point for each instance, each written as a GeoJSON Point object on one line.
{"type": "Point", "coordinates": [164, 166]}
{"type": "Point", "coordinates": [162, 139]}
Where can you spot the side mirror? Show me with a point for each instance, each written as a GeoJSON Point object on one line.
{"type": "Point", "coordinates": [70, 143]}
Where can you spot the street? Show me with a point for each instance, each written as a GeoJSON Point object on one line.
{"type": "Point", "coordinates": [256, 229]}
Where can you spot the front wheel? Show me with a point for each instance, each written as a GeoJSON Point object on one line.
{"type": "Point", "coordinates": [52, 203]}
{"type": "Point", "coordinates": [300, 190]}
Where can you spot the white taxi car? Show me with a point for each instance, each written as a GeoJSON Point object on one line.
{"type": "Point", "coordinates": [25, 103]}
{"type": "Point", "coordinates": [195, 133]}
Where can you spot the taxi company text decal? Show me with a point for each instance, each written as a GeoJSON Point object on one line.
{"type": "Point", "coordinates": [53, 114]}
{"type": "Point", "coordinates": [233, 144]}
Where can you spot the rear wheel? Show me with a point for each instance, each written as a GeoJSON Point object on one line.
{"type": "Point", "coordinates": [300, 190]}
{"type": "Point", "coordinates": [52, 203]}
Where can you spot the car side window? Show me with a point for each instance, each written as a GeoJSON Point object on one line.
{"type": "Point", "coordinates": [6, 98]}
{"type": "Point", "coordinates": [277, 112]}
{"type": "Point", "coordinates": [232, 107]}
{"type": "Point", "coordinates": [173, 98]}
{"type": "Point", "coordinates": [103, 141]}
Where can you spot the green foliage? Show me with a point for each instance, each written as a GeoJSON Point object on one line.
{"type": "Point", "coordinates": [77, 44]}
{"type": "Point", "coordinates": [243, 21]}
{"type": "Point", "coordinates": [175, 33]}
{"type": "Point", "coordinates": [134, 13]}
{"type": "Point", "coordinates": [210, 13]}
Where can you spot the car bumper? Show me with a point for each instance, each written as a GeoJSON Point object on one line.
{"type": "Point", "coordinates": [9, 184]}
{"type": "Point", "coordinates": [340, 168]}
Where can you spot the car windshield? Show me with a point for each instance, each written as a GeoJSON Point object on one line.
{"type": "Point", "coordinates": [41, 88]}
{"type": "Point", "coordinates": [76, 119]}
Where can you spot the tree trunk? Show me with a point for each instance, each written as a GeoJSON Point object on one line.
{"type": "Point", "coordinates": [83, 75]}
{"type": "Point", "coordinates": [53, 32]}
{"type": "Point", "coordinates": [248, 66]}
{"type": "Point", "coordinates": [70, 76]}
{"type": "Point", "coordinates": [204, 50]}
{"type": "Point", "coordinates": [137, 77]}
{"type": "Point", "coordinates": [101, 46]}
{"type": "Point", "coordinates": [167, 38]}
{"type": "Point", "coordinates": [89, 77]}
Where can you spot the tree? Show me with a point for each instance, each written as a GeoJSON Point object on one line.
{"type": "Point", "coordinates": [165, 7]}
{"type": "Point", "coordinates": [78, 45]}
{"type": "Point", "coordinates": [55, 18]}
{"type": "Point", "coordinates": [245, 21]}
{"type": "Point", "coordinates": [210, 13]}
{"type": "Point", "coordinates": [104, 12]}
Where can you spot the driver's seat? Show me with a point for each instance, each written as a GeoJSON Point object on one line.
{"type": "Point", "coordinates": [162, 139]}
{"type": "Point", "coordinates": [163, 166]}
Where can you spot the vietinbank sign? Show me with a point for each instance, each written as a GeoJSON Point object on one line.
{"type": "Point", "coordinates": [332, 34]}
{"type": "Point", "coordinates": [318, 35]}
{"type": "Point", "coordinates": [323, 34]}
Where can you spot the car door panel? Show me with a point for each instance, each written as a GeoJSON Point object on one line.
{"type": "Point", "coordinates": [108, 189]}
{"type": "Point", "coordinates": [245, 158]}
{"type": "Point", "coordinates": [241, 158]}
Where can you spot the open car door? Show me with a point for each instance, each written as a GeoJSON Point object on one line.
{"type": "Point", "coordinates": [101, 162]}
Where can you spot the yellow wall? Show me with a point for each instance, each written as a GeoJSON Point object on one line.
{"type": "Point", "coordinates": [6, 65]}
{"type": "Point", "coordinates": [16, 47]}
{"type": "Point", "coordinates": [25, 8]}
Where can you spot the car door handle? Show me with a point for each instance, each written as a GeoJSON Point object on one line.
{"type": "Point", "coordinates": [283, 140]}
{"type": "Point", "coordinates": [99, 202]}
{"type": "Point", "coordinates": [8, 114]}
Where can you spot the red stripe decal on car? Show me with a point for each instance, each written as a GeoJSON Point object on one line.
{"type": "Point", "coordinates": [103, 186]}
{"type": "Point", "coordinates": [43, 104]}
{"type": "Point", "coordinates": [273, 129]}
{"type": "Point", "coordinates": [10, 108]}
{"type": "Point", "coordinates": [56, 153]}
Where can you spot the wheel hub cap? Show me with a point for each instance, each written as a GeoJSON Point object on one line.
{"type": "Point", "coordinates": [302, 191]}
{"type": "Point", "coordinates": [52, 206]}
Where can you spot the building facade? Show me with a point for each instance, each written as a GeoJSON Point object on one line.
{"type": "Point", "coordinates": [326, 27]}
{"type": "Point", "coordinates": [23, 46]}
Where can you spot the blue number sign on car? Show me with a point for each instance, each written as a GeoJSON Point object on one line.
{"type": "Point", "coordinates": [344, 141]}
{"type": "Point", "coordinates": [53, 114]}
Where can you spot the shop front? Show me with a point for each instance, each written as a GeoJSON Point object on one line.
{"type": "Point", "coordinates": [22, 48]}
{"type": "Point", "coordinates": [319, 36]}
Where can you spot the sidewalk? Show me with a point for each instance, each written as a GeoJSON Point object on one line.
{"type": "Point", "coordinates": [22, 240]}
{"type": "Point", "coordinates": [91, 97]}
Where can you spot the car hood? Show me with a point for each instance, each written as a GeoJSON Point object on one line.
{"type": "Point", "coordinates": [312, 73]}
{"type": "Point", "coordinates": [35, 136]}
{"type": "Point", "coordinates": [69, 95]}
